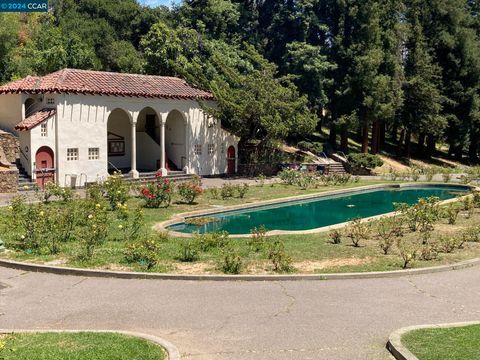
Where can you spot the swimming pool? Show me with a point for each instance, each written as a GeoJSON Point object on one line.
{"type": "Point", "coordinates": [320, 211]}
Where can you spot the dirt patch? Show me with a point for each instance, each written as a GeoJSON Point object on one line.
{"type": "Point", "coordinates": [313, 266]}
{"type": "Point", "coordinates": [56, 262]}
{"type": "Point", "coordinates": [194, 268]}
{"type": "Point", "coordinates": [115, 267]}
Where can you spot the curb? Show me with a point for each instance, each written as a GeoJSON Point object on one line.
{"type": "Point", "coordinates": [400, 352]}
{"type": "Point", "coordinates": [171, 350]}
{"type": "Point", "coordinates": [162, 276]}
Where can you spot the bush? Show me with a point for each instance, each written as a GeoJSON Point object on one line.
{"type": "Point", "coordinates": [158, 193]}
{"type": "Point", "coordinates": [357, 231]}
{"type": "Point", "coordinates": [227, 191]}
{"type": "Point", "coordinates": [258, 239]}
{"type": "Point", "coordinates": [188, 250]}
{"type": "Point", "coordinates": [260, 179]}
{"type": "Point", "coordinates": [408, 251]}
{"type": "Point", "coordinates": [422, 215]}
{"type": "Point", "coordinates": [52, 189]}
{"type": "Point", "coordinates": [132, 222]}
{"type": "Point", "coordinates": [281, 261]}
{"type": "Point", "coordinates": [116, 190]}
{"type": "Point", "coordinates": [447, 244]}
{"type": "Point", "coordinates": [144, 252]}
{"type": "Point", "coordinates": [189, 190]}
{"type": "Point", "coordinates": [209, 241]}
{"type": "Point", "coordinates": [451, 212]}
{"type": "Point", "coordinates": [242, 190]}
{"type": "Point", "coordinates": [314, 147]}
{"type": "Point", "coordinates": [387, 232]}
{"type": "Point", "coordinates": [365, 161]}
{"type": "Point", "coordinates": [214, 193]}
{"type": "Point", "coordinates": [289, 177]}
{"type": "Point", "coordinates": [95, 232]}
{"type": "Point", "coordinates": [231, 261]}
{"type": "Point", "coordinates": [335, 237]}
{"type": "Point", "coordinates": [471, 234]}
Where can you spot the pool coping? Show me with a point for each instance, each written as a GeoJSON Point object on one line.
{"type": "Point", "coordinates": [179, 218]}
{"type": "Point", "coordinates": [58, 270]}
{"type": "Point", "coordinates": [401, 352]}
{"type": "Point", "coordinates": [170, 349]}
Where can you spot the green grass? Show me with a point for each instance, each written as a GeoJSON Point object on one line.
{"type": "Point", "coordinates": [79, 346]}
{"type": "Point", "coordinates": [462, 343]}
{"type": "Point", "coordinates": [311, 253]}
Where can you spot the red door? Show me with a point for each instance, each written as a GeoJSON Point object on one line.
{"type": "Point", "coordinates": [44, 166]}
{"type": "Point", "coordinates": [231, 160]}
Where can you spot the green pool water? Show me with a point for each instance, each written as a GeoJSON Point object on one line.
{"type": "Point", "coordinates": [320, 211]}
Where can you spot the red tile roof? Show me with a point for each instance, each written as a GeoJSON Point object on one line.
{"type": "Point", "coordinates": [106, 83]}
{"type": "Point", "coordinates": [35, 119]}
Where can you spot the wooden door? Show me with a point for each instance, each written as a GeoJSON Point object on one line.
{"type": "Point", "coordinates": [231, 160]}
{"type": "Point", "coordinates": [44, 166]}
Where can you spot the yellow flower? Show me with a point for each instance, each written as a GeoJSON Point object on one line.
{"type": "Point", "coordinates": [10, 208]}
{"type": "Point", "coordinates": [42, 213]}
{"type": "Point", "coordinates": [25, 187]}
{"type": "Point", "coordinates": [22, 237]}
{"type": "Point", "coordinates": [90, 216]}
{"type": "Point", "coordinates": [120, 226]}
{"type": "Point", "coordinates": [98, 206]}
{"type": "Point", "coordinates": [94, 226]}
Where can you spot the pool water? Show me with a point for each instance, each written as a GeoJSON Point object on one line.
{"type": "Point", "coordinates": [320, 211]}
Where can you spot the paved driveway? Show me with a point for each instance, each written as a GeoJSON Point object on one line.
{"type": "Point", "coordinates": [344, 319]}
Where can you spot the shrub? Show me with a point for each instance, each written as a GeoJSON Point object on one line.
{"type": "Point", "coordinates": [468, 206]}
{"type": "Point", "coordinates": [471, 234]}
{"type": "Point", "coordinates": [188, 250]}
{"type": "Point", "coordinates": [476, 199]}
{"type": "Point", "coordinates": [158, 193]}
{"type": "Point", "coordinates": [231, 260]}
{"type": "Point", "coordinates": [422, 215]}
{"type": "Point", "coordinates": [116, 190]}
{"type": "Point", "coordinates": [365, 161]}
{"type": "Point", "coordinates": [260, 180]}
{"type": "Point", "coordinates": [451, 212]}
{"type": "Point", "coordinates": [281, 261]}
{"type": "Point", "coordinates": [212, 240]}
{"type": "Point", "coordinates": [242, 190]}
{"type": "Point", "coordinates": [415, 173]}
{"type": "Point", "coordinates": [446, 176]}
{"type": "Point", "coordinates": [95, 232]}
{"type": "Point", "coordinates": [258, 239]}
{"type": "Point", "coordinates": [408, 251]}
{"type": "Point", "coordinates": [289, 177]}
{"type": "Point", "coordinates": [132, 222]}
{"type": "Point", "coordinates": [189, 190]}
{"type": "Point", "coordinates": [227, 191]}
{"type": "Point", "coordinates": [429, 173]}
{"type": "Point", "coordinates": [52, 189]}
{"type": "Point", "coordinates": [428, 252]}
{"type": "Point", "coordinates": [313, 147]}
{"type": "Point", "coordinates": [144, 252]}
{"type": "Point", "coordinates": [335, 237]}
{"type": "Point", "coordinates": [357, 231]}
{"type": "Point", "coordinates": [447, 244]}
{"type": "Point", "coordinates": [214, 193]}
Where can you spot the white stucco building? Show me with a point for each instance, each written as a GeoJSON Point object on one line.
{"type": "Point", "coordinates": [76, 126]}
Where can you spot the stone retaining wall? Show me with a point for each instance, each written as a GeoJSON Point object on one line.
{"type": "Point", "coordinates": [8, 181]}
{"type": "Point", "coordinates": [10, 146]}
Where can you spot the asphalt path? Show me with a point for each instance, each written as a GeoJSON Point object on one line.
{"type": "Point", "coordinates": [342, 319]}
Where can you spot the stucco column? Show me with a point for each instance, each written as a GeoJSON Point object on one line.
{"type": "Point", "coordinates": [163, 168]}
{"type": "Point", "coordinates": [135, 174]}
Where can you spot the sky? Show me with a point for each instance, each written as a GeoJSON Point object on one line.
{"type": "Point", "coordinates": [153, 3]}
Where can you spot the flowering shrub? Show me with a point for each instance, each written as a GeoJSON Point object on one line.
{"type": "Point", "coordinates": [189, 190]}
{"type": "Point", "coordinates": [144, 252]}
{"type": "Point", "coordinates": [95, 230]}
{"type": "Point", "coordinates": [115, 190]}
{"type": "Point", "coordinates": [158, 193]}
{"type": "Point", "coordinates": [132, 222]}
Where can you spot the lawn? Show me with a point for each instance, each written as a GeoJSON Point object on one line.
{"type": "Point", "coordinates": [460, 343]}
{"type": "Point", "coordinates": [78, 346]}
{"type": "Point", "coordinates": [313, 253]}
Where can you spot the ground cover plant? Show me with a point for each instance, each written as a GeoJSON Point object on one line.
{"type": "Point", "coordinates": [96, 232]}
{"type": "Point", "coordinates": [77, 346]}
{"type": "Point", "coordinates": [444, 343]}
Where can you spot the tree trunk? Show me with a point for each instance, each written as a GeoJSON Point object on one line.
{"type": "Point", "coordinates": [401, 140]}
{"type": "Point", "coordinates": [421, 143]}
{"type": "Point", "coordinates": [382, 136]}
{"type": "Point", "coordinates": [473, 148]}
{"type": "Point", "coordinates": [344, 139]}
{"type": "Point", "coordinates": [333, 136]}
{"type": "Point", "coordinates": [408, 141]}
{"type": "Point", "coordinates": [393, 135]}
{"type": "Point", "coordinates": [375, 139]}
{"type": "Point", "coordinates": [431, 146]}
{"type": "Point", "coordinates": [365, 139]}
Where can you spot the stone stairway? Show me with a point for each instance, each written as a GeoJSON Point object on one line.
{"type": "Point", "coordinates": [336, 168]}
{"type": "Point", "coordinates": [25, 182]}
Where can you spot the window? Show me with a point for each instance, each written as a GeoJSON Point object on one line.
{"type": "Point", "coordinates": [50, 101]}
{"type": "Point", "coordinates": [211, 149]}
{"type": "Point", "coordinates": [198, 149]}
{"type": "Point", "coordinates": [43, 130]}
{"type": "Point", "coordinates": [72, 154]}
{"type": "Point", "coordinates": [93, 153]}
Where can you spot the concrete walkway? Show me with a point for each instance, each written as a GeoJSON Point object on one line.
{"type": "Point", "coordinates": [348, 319]}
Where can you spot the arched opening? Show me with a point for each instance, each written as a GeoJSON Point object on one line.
{"type": "Point", "coordinates": [119, 141]}
{"type": "Point", "coordinates": [44, 166]}
{"type": "Point", "coordinates": [148, 140]}
{"type": "Point", "coordinates": [175, 141]}
{"type": "Point", "coordinates": [29, 106]}
{"type": "Point", "coordinates": [231, 160]}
